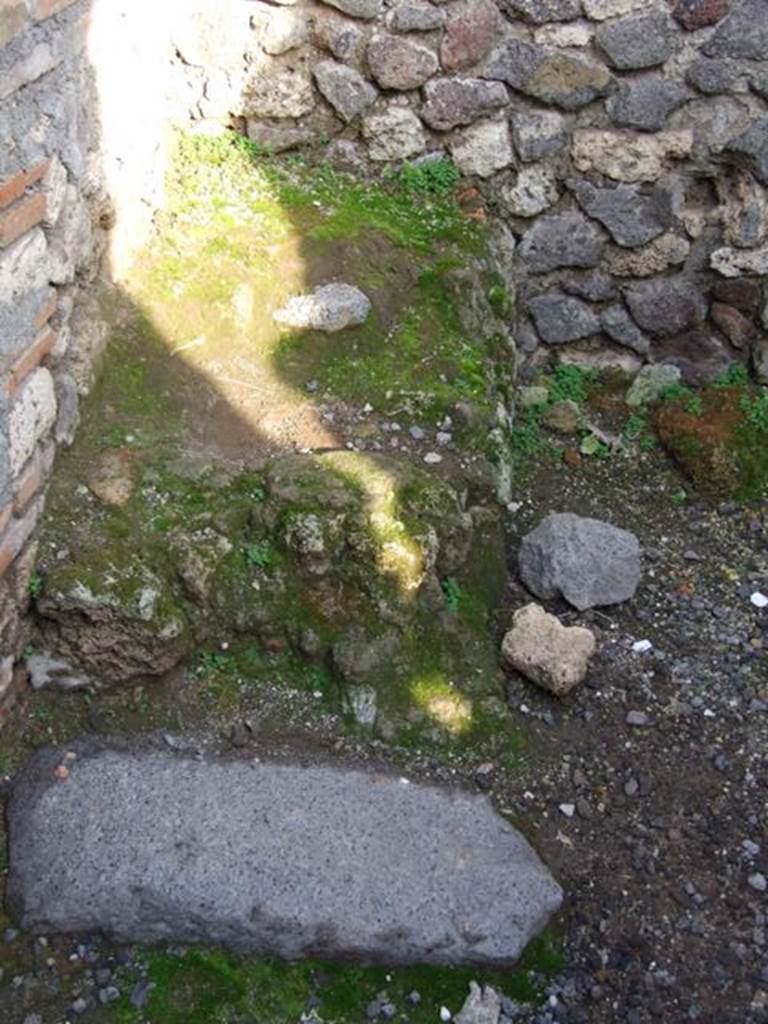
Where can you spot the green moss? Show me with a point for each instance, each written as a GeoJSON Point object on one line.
{"type": "Point", "coordinates": [208, 986]}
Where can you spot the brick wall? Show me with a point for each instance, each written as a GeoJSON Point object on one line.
{"type": "Point", "coordinates": [50, 240]}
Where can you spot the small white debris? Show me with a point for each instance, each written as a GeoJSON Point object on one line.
{"type": "Point", "coordinates": [443, 438]}
{"type": "Point", "coordinates": [568, 810]}
{"type": "Point", "coordinates": [432, 458]}
{"type": "Point", "coordinates": [445, 1014]}
{"type": "Point", "coordinates": [759, 600]}
{"type": "Point", "coordinates": [758, 882]}
{"type": "Point", "coordinates": [642, 646]}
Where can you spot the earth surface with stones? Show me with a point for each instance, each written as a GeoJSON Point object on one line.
{"type": "Point", "coordinates": [643, 790]}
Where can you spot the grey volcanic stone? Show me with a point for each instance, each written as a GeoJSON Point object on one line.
{"type": "Point", "coordinates": [589, 562]}
{"type": "Point", "coordinates": [595, 285]}
{"type": "Point", "coordinates": [538, 135]}
{"type": "Point", "coordinates": [548, 75]}
{"type": "Point", "coordinates": [700, 355]}
{"type": "Point", "coordinates": [619, 325]}
{"type": "Point", "coordinates": [743, 34]}
{"type": "Point", "coordinates": [646, 104]}
{"type": "Point", "coordinates": [637, 41]}
{"type": "Point", "coordinates": [751, 148]}
{"type": "Point", "coordinates": [631, 217]}
{"type": "Point", "coordinates": [270, 859]}
{"type": "Point", "coordinates": [712, 76]}
{"type": "Point", "coordinates": [451, 102]}
{"type": "Point", "coordinates": [400, 63]}
{"type": "Point", "coordinates": [344, 88]}
{"type": "Point", "coordinates": [666, 306]}
{"type": "Point", "coordinates": [562, 240]}
{"type": "Point", "coordinates": [560, 318]}
{"type": "Point", "coordinates": [415, 16]}
{"type": "Point", "coordinates": [541, 11]}
{"type": "Point", "coordinates": [329, 308]}
{"type": "Point", "coordinates": [358, 8]}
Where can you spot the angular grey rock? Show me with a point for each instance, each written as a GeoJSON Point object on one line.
{"type": "Point", "coordinates": [742, 34]}
{"type": "Point", "coordinates": [646, 103]}
{"type": "Point", "coordinates": [553, 656]}
{"type": "Point", "coordinates": [666, 306]}
{"type": "Point", "coordinates": [631, 217]}
{"type": "Point", "coordinates": [400, 63]}
{"type": "Point", "coordinates": [534, 190]}
{"type": "Point", "coordinates": [595, 285]}
{"type": "Point", "coordinates": [759, 82]}
{"type": "Point", "coordinates": [537, 135]}
{"type": "Point", "coordinates": [330, 308]}
{"type": "Point", "coordinates": [471, 30]}
{"type": "Point", "coordinates": [541, 11]}
{"type": "Point", "coordinates": [560, 318]}
{"type": "Point", "coordinates": [549, 75]}
{"type": "Point", "coordinates": [279, 92]}
{"type": "Point", "coordinates": [342, 37]}
{"type": "Point", "coordinates": [589, 562]}
{"type": "Point", "coordinates": [344, 88]}
{"type": "Point", "coordinates": [358, 8]}
{"type": "Point", "coordinates": [712, 76]}
{"type": "Point", "coordinates": [561, 240]}
{"type": "Point", "coordinates": [278, 138]}
{"type": "Point", "coordinates": [416, 16]}
{"type": "Point", "coordinates": [637, 40]}
{"type": "Point", "coordinates": [482, 1006]}
{"type": "Point", "coordinates": [269, 859]}
{"type": "Point", "coordinates": [451, 102]}
{"type": "Point", "coordinates": [651, 382]}
{"type": "Point", "coordinates": [619, 325]}
{"type": "Point", "coordinates": [751, 149]}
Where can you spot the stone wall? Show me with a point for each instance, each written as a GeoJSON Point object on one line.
{"type": "Point", "coordinates": [618, 147]}
{"type": "Point", "coordinates": [623, 143]}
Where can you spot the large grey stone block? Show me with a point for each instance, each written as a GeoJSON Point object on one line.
{"type": "Point", "coordinates": [269, 858]}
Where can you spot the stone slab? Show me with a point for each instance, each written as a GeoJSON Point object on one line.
{"type": "Point", "coordinates": [269, 858]}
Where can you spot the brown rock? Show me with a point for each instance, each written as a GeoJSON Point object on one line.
{"type": "Point", "coordinates": [735, 326]}
{"type": "Point", "coordinates": [563, 417]}
{"type": "Point", "coordinates": [469, 34]}
{"type": "Point", "coordinates": [740, 292]}
{"type": "Point", "coordinates": [553, 656]}
{"type": "Point", "coordinates": [399, 63]}
{"type": "Point", "coordinates": [693, 14]}
{"type": "Point", "coordinates": [112, 479]}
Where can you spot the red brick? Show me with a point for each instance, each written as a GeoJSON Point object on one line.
{"type": "Point", "coordinates": [14, 188]}
{"type": "Point", "coordinates": [46, 8]}
{"type": "Point", "coordinates": [17, 535]}
{"type": "Point", "coordinates": [19, 218]}
{"type": "Point", "coordinates": [28, 360]}
{"type": "Point", "coordinates": [48, 309]}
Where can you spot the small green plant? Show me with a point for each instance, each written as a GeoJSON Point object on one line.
{"type": "Point", "coordinates": [635, 427]}
{"type": "Point", "coordinates": [453, 593]}
{"type": "Point", "coordinates": [260, 553]}
{"type": "Point", "coordinates": [35, 586]}
{"type": "Point", "coordinates": [430, 177]}
{"type": "Point", "coordinates": [694, 406]}
{"type": "Point", "coordinates": [756, 411]}
{"type": "Point", "coordinates": [569, 384]}
{"type": "Point", "coordinates": [215, 661]}
{"type": "Point", "coordinates": [674, 391]}
{"type": "Point", "coordinates": [679, 497]}
{"type": "Point", "coordinates": [736, 375]}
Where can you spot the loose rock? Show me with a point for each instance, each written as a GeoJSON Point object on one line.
{"type": "Point", "coordinates": [554, 656]}
{"type": "Point", "coordinates": [330, 308]}
{"type": "Point", "coordinates": [589, 562]}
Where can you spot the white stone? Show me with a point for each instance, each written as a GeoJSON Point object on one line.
{"type": "Point", "coordinates": [71, 241]}
{"type": "Point", "coordinates": [22, 266]}
{"type": "Point", "coordinates": [534, 191]}
{"type": "Point", "coordinates": [330, 308]}
{"type": "Point", "coordinates": [482, 1006]}
{"type": "Point", "coordinates": [736, 262]}
{"type": "Point", "coordinates": [563, 35]}
{"type": "Point", "coordinates": [759, 600]}
{"type": "Point", "coordinates": [284, 30]}
{"type": "Point", "coordinates": [32, 415]}
{"type": "Point", "coordinates": [627, 157]}
{"type": "Point", "coordinates": [642, 646]}
{"type": "Point", "coordinates": [483, 149]}
{"type": "Point", "coordinates": [55, 190]}
{"type": "Point", "coordinates": [394, 134]}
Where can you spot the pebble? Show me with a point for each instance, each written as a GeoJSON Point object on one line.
{"type": "Point", "coordinates": [10, 934]}
{"type": "Point", "coordinates": [79, 1006]}
{"type": "Point", "coordinates": [416, 433]}
{"type": "Point", "coordinates": [758, 882]}
{"type": "Point", "coordinates": [413, 998]}
{"type": "Point", "coordinates": [631, 787]}
{"type": "Point", "coordinates": [750, 848]}
{"type": "Point", "coordinates": [568, 810]}
{"type": "Point", "coordinates": [759, 600]}
{"type": "Point", "coordinates": [108, 995]}
{"type": "Point", "coordinates": [637, 718]}
{"type": "Point", "coordinates": [432, 458]}
{"type": "Point", "coordinates": [642, 646]}
{"type": "Point", "coordinates": [445, 1014]}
